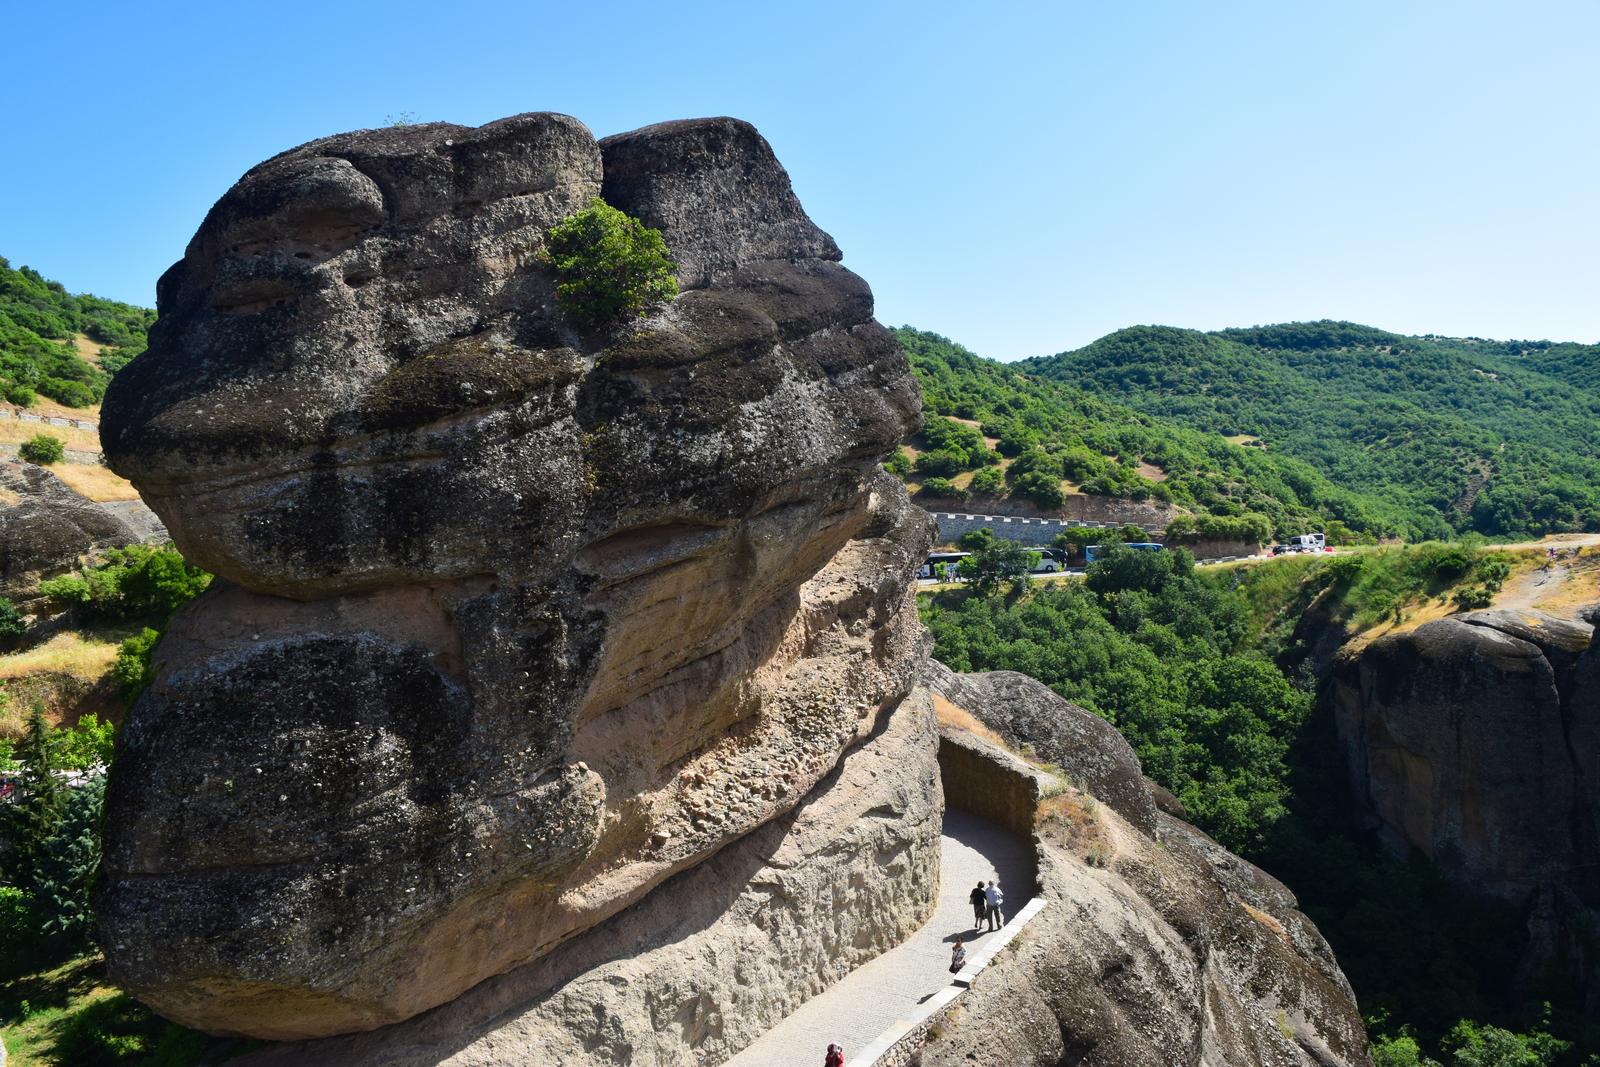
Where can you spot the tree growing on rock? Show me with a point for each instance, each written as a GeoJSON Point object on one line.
{"type": "Point", "coordinates": [609, 265]}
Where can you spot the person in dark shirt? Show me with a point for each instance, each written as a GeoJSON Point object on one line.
{"type": "Point", "coordinates": [980, 904]}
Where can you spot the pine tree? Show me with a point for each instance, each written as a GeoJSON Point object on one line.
{"type": "Point", "coordinates": [38, 812]}
{"type": "Point", "coordinates": [67, 865]}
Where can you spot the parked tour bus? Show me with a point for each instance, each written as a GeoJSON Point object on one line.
{"type": "Point", "coordinates": [941, 565]}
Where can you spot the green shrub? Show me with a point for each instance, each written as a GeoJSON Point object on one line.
{"type": "Point", "coordinates": [11, 624]}
{"type": "Point", "coordinates": [987, 482]}
{"type": "Point", "coordinates": [132, 666]}
{"type": "Point", "coordinates": [1040, 487]}
{"type": "Point", "coordinates": [1473, 1045]}
{"type": "Point", "coordinates": [943, 489]}
{"type": "Point", "coordinates": [942, 463]}
{"type": "Point", "coordinates": [67, 866]}
{"type": "Point", "coordinates": [898, 464]}
{"type": "Point", "coordinates": [87, 744]}
{"type": "Point", "coordinates": [608, 264]}
{"type": "Point", "coordinates": [132, 583]}
{"type": "Point", "coordinates": [43, 449]}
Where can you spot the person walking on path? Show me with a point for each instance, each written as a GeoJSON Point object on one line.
{"type": "Point", "coordinates": [835, 1057]}
{"type": "Point", "coordinates": [980, 905]}
{"type": "Point", "coordinates": [996, 900]}
{"type": "Point", "coordinates": [958, 957]}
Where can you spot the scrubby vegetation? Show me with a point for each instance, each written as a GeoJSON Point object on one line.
{"type": "Point", "coordinates": [1159, 651]}
{"type": "Point", "coordinates": [609, 264]}
{"type": "Point", "coordinates": [1198, 669]}
{"type": "Point", "coordinates": [43, 449]}
{"type": "Point", "coordinates": [55, 1008]}
{"type": "Point", "coordinates": [1437, 434]}
{"type": "Point", "coordinates": [1053, 438]}
{"type": "Point", "coordinates": [38, 321]}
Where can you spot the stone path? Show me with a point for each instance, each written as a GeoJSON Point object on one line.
{"type": "Point", "coordinates": [869, 999]}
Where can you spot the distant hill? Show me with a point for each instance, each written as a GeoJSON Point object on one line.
{"type": "Point", "coordinates": [1449, 434]}
{"type": "Point", "coordinates": [39, 322]}
{"type": "Point", "coordinates": [999, 434]}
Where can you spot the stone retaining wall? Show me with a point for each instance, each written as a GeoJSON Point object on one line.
{"type": "Point", "coordinates": [24, 415]}
{"type": "Point", "coordinates": [989, 782]}
{"type": "Point", "coordinates": [952, 524]}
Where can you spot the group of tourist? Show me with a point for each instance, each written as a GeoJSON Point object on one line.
{"type": "Point", "coordinates": [988, 904]}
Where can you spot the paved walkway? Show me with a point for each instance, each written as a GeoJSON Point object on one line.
{"type": "Point", "coordinates": [869, 999]}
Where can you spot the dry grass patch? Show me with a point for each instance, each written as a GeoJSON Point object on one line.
{"type": "Point", "coordinates": [14, 432]}
{"type": "Point", "coordinates": [1071, 818]}
{"type": "Point", "coordinates": [956, 718]}
{"type": "Point", "coordinates": [88, 350]}
{"type": "Point", "coordinates": [1268, 921]}
{"type": "Point", "coordinates": [95, 482]}
{"type": "Point", "coordinates": [83, 655]}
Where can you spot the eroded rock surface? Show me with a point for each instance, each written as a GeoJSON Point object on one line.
{"type": "Point", "coordinates": [515, 622]}
{"type": "Point", "coordinates": [1157, 947]}
{"type": "Point", "coordinates": [1475, 740]}
{"type": "Point", "coordinates": [46, 527]}
{"type": "Point", "coordinates": [704, 964]}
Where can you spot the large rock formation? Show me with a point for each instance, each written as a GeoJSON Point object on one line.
{"type": "Point", "coordinates": [1475, 740]}
{"type": "Point", "coordinates": [1158, 947]}
{"type": "Point", "coordinates": [704, 964]}
{"type": "Point", "coordinates": [46, 527]}
{"type": "Point", "coordinates": [515, 622]}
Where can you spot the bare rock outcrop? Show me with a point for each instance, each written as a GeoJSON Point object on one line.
{"type": "Point", "coordinates": [46, 527]}
{"type": "Point", "coordinates": [1475, 740]}
{"type": "Point", "coordinates": [1158, 947]}
{"type": "Point", "coordinates": [515, 622]}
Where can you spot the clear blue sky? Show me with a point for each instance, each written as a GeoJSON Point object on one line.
{"type": "Point", "coordinates": [1021, 177]}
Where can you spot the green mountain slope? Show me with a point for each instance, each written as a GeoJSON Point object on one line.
{"type": "Point", "coordinates": [1051, 431]}
{"type": "Point", "coordinates": [1452, 434]}
{"type": "Point", "coordinates": [38, 320]}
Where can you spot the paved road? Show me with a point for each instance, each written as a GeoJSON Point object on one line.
{"type": "Point", "coordinates": [869, 999]}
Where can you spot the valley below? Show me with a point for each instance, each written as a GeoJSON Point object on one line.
{"type": "Point", "coordinates": [423, 648]}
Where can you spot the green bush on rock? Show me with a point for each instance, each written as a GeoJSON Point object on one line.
{"type": "Point", "coordinates": [609, 265]}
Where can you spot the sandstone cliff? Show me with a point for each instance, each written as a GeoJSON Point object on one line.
{"type": "Point", "coordinates": [516, 622]}
{"type": "Point", "coordinates": [1475, 740]}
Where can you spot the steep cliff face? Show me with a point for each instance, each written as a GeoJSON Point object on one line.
{"type": "Point", "coordinates": [1476, 741]}
{"type": "Point", "coordinates": [516, 622]}
{"type": "Point", "coordinates": [1158, 946]}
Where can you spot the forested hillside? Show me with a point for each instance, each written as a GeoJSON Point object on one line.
{"type": "Point", "coordinates": [39, 320]}
{"type": "Point", "coordinates": [1455, 434]}
{"type": "Point", "coordinates": [1054, 435]}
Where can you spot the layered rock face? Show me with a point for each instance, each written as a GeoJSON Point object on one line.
{"type": "Point", "coordinates": [1166, 949]}
{"type": "Point", "coordinates": [705, 963]}
{"type": "Point", "coordinates": [515, 621]}
{"type": "Point", "coordinates": [1476, 741]}
{"type": "Point", "coordinates": [46, 528]}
